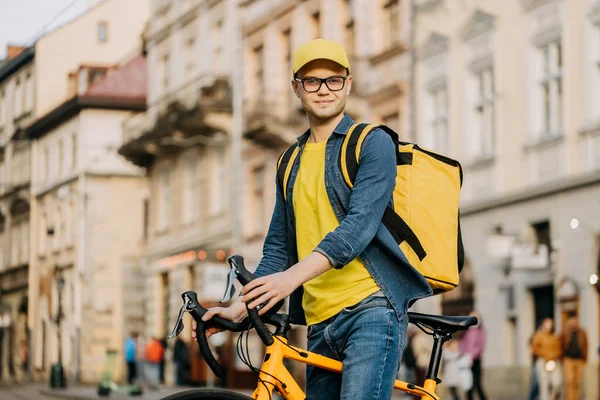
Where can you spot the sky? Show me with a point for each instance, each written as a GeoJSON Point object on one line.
{"type": "Point", "coordinates": [21, 21]}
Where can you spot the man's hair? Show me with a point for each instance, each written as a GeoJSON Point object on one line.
{"type": "Point", "coordinates": [572, 314]}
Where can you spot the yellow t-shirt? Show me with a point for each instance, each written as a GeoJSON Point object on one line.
{"type": "Point", "coordinates": [327, 294]}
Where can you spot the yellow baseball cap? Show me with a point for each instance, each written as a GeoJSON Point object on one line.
{"type": "Point", "coordinates": [318, 49]}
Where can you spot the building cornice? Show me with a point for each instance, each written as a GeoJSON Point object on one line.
{"type": "Point", "coordinates": [16, 63]}
{"type": "Point", "coordinates": [72, 107]}
{"type": "Point", "coordinates": [533, 193]}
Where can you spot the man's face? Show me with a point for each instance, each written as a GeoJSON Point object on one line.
{"type": "Point", "coordinates": [547, 326]}
{"type": "Point", "coordinates": [325, 103]}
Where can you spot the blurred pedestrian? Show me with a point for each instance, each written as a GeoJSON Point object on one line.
{"type": "Point", "coordinates": [452, 378]}
{"type": "Point", "coordinates": [547, 348]}
{"type": "Point", "coordinates": [164, 344]}
{"type": "Point", "coordinates": [181, 360]}
{"type": "Point", "coordinates": [473, 345]}
{"type": "Point", "coordinates": [575, 348]}
{"type": "Point", "coordinates": [534, 387]}
{"type": "Point", "coordinates": [130, 353]}
{"type": "Point", "coordinates": [154, 356]}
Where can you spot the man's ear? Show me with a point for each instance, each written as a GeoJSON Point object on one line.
{"type": "Point", "coordinates": [295, 87]}
{"type": "Point", "coordinates": [348, 84]}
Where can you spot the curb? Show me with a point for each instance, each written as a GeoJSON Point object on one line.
{"type": "Point", "coordinates": [64, 394]}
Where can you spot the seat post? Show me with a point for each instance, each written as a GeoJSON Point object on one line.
{"type": "Point", "coordinates": [439, 338]}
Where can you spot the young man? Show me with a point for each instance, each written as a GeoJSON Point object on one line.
{"type": "Point", "coordinates": [327, 247]}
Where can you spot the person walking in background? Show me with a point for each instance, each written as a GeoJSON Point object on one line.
{"type": "Point", "coordinates": [130, 353]}
{"type": "Point", "coordinates": [181, 360]}
{"type": "Point", "coordinates": [575, 348]}
{"type": "Point", "coordinates": [534, 387]}
{"type": "Point", "coordinates": [154, 355]}
{"type": "Point", "coordinates": [547, 348]}
{"type": "Point", "coordinates": [473, 345]}
{"type": "Point", "coordinates": [451, 356]}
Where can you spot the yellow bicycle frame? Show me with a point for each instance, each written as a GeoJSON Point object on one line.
{"type": "Point", "coordinates": [274, 373]}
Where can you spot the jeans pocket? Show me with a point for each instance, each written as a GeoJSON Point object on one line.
{"type": "Point", "coordinates": [367, 303]}
{"type": "Point", "coordinates": [312, 330]}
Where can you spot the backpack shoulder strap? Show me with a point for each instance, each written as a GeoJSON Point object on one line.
{"type": "Point", "coordinates": [284, 166]}
{"type": "Point", "coordinates": [352, 145]}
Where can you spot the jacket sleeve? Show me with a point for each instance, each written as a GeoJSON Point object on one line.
{"type": "Point", "coordinates": [372, 191]}
{"type": "Point", "coordinates": [275, 252]}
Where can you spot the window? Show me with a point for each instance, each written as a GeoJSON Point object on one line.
{"type": "Point", "coordinates": [551, 88]}
{"type": "Point", "coordinates": [74, 151]}
{"type": "Point", "coordinates": [29, 93]}
{"type": "Point", "coordinates": [258, 183]}
{"type": "Point", "coordinates": [392, 12]}
{"type": "Point", "coordinates": [18, 100]}
{"type": "Point", "coordinates": [217, 35]}
{"type": "Point", "coordinates": [146, 218]}
{"type": "Point", "coordinates": [165, 200]}
{"type": "Point", "coordinates": [164, 73]}
{"type": "Point", "coordinates": [60, 160]}
{"type": "Point", "coordinates": [259, 70]}
{"type": "Point", "coordinates": [219, 185]}
{"type": "Point", "coordinates": [349, 32]}
{"type": "Point", "coordinates": [191, 192]}
{"type": "Point", "coordinates": [287, 52]}
{"type": "Point", "coordinates": [438, 124]}
{"type": "Point", "coordinates": [316, 24]}
{"type": "Point", "coordinates": [484, 110]}
{"type": "Point", "coordinates": [45, 165]}
{"type": "Point", "coordinates": [102, 32]}
{"type": "Point", "coordinates": [189, 58]}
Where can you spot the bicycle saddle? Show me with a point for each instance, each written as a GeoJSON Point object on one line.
{"type": "Point", "coordinates": [442, 323]}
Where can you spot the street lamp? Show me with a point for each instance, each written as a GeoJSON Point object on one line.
{"type": "Point", "coordinates": [57, 374]}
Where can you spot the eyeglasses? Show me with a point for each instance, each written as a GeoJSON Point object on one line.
{"type": "Point", "coordinates": [312, 85]}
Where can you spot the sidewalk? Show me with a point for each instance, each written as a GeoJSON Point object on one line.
{"type": "Point", "coordinates": [88, 392]}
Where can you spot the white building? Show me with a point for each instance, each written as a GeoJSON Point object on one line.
{"type": "Point", "coordinates": [510, 89]}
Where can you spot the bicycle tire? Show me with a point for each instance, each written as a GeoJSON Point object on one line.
{"type": "Point", "coordinates": [207, 394]}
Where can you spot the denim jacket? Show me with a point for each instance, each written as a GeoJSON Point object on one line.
{"type": "Point", "coordinates": [360, 232]}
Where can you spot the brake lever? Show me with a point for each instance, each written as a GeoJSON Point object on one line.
{"type": "Point", "coordinates": [230, 289]}
{"type": "Point", "coordinates": [186, 307]}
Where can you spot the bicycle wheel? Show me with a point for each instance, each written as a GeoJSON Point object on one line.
{"type": "Point", "coordinates": [207, 394]}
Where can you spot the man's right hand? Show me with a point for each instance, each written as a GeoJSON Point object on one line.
{"type": "Point", "coordinates": [236, 312]}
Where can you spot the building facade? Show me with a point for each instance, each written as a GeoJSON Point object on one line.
{"type": "Point", "coordinates": [510, 89]}
{"type": "Point", "coordinates": [184, 143]}
{"type": "Point", "coordinates": [17, 106]}
{"type": "Point", "coordinates": [78, 179]}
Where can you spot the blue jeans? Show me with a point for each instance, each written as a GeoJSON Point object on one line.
{"type": "Point", "coordinates": [368, 338]}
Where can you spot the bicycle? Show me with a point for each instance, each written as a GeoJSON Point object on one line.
{"type": "Point", "coordinates": [273, 376]}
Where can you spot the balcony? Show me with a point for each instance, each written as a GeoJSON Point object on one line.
{"type": "Point", "coordinates": [388, 69]}
{"type": "Point", "coordinates": [276, 123]}
{"type": "Point", "coordinates": [183, 116]}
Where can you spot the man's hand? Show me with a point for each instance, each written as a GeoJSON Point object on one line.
{"type": "Point", "coordinates": [236, 312]}
{"type": "Point", "coordinates": [276, 287]}
{"type": "Point", "coordinates": [271, 289]}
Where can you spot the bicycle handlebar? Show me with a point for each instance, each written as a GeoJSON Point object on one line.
{"type": "Point", "coordinates": [191, 305]}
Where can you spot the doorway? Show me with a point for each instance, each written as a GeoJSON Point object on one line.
{"type": "Point", "coordinates": [543, 298]}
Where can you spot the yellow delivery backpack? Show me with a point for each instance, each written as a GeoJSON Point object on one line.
{"type": "Point", "coordinates": [425, 218]}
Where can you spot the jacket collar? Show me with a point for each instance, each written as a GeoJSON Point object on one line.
{"type": "Point", "coordinates": [341, 129]}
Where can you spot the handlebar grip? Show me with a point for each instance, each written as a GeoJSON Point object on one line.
{"type": "Point", "coordinates": [261, 329]}
{"type": "Point", "coordinates": [206, 352]}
